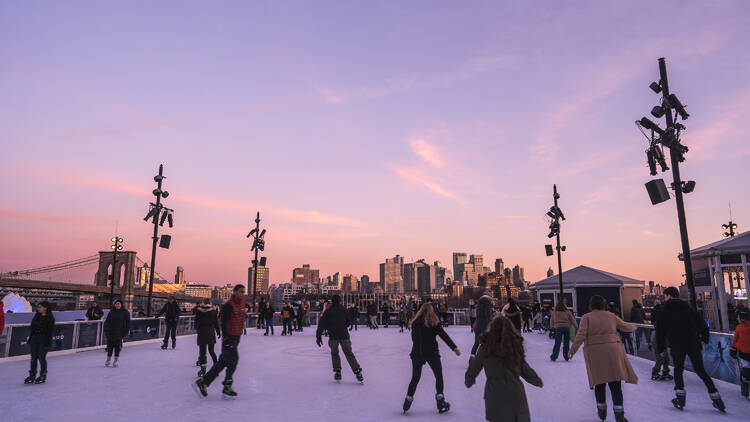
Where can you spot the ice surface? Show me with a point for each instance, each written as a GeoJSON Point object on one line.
{"type": "Point", "coordinates": [290, 379]}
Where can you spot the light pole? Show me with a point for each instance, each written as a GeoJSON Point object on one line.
{"type": "Point", "coordinates": [670, 138]}
{"type": "Point", "coordinates": [258, 244]}
{"type": "Point", "coordinates": [555, 215]}
{"type": "Point", "coordinates": [156, 209]}
{"type": "Point", "coordinates": [731, 227]}
{"type": "Point", "coordinates": [116, 246]}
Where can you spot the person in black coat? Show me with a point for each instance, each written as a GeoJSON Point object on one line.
{"type": "Point", "coordinates": [336, 321]}
{"type": "Point", "coordinates": [354, 316]}
{"type": "Point", "coordinates": [268, 317]}
{"type": "Point", "coordinates": [116, 328]}
{"type": "Point", "coordinates": [638, 316]}
{"type": "Point", "coordinates": [484, 315]}
{"type": "Point", "coordinates": [686, 333]}
{"type": "Point", "coordinates": [287, 315]}
{"type": "Point", "coordinates": [372, 315]}
{"type": "Point", "coordinates": [40, 340]}
{"type": "Point", "coordinates": [300, 316]}
{"type": "Point", "coordinates": [95, 312]}
{"type": "Point", "coordinates": [207, 328]}
{"type": "Point", "coordinates": [662, 359]}
{"type": "Point", "coordinates": [171, 312]}
{"type": "Point", "coordinates": [424, 329]}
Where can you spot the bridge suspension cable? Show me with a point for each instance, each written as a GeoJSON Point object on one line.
{"type": "Point", "coordinates": [80, 262]}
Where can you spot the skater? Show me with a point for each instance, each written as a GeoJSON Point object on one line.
{"type": "Point", "coordinates": [207, 328]}
{"type": "Point", "coordinates": [686, 333]}
{"type": "Point", "coordinates": [372, 314]}
{"type": "Point", "coordinates": [401, 318]}
{"type": "Point", "coordinates": [741, 350]}
{"type": "Point", "coordinates": [386, 310]}
{"type": "Point", "coordinates": [40, 340]}
{"type": "Point", "coordinates": [561, 321]}
{"type": "Point", "coordinates": [2, 318]}
{"type": "Point", "coordinates": [116, 328]}
{"type": "Point", "coordinates": [261, 311]}
{"type": "Point", "coordinates": [638, 316]}
{"type": "Point", "coordinates": [502, 357]}
{"type": "Point", "coordinates": [171, 312]}
{"type": "Point", "coordinates": [336, 321]}
{"type": "Point", "coordinates": [526, 317]}
{"type": "Point", "coordinates": [513, 313]}
{"type": "Point", "coordinates": [662, 359]}
{"type": "Point", "coordinates": [606, 360]}
{"type": "Point", "coordinates": [425, 327]}
{"type": "Point", "coordinates": [95, 312]}
{"type": "Point", "coordinates": [268, 316]}
{"type": "Point", "coordinates": [287, 313]}
{"type": "Point", "coordinates": [484, 314]}
{"type": "Point", "coordinates": [354, 316]}
{"type": "Point", "coordinates": [472, 313]}
{"type": "Point", "coordinates": [232, 327]}
{"type": "Point", "coordinates": [307, 313]}
{"type": "Point", "coordinates": [300, 316]}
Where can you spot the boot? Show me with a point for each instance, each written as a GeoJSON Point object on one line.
{"type": "Point", "coordinates": [744, 387]}
{"type": "Point", "coordinates": [680, 399]}
{"type": "Point", "coordinates": [198, 362]}
{"type": "Point", "coordinates": [202, 371]}
{"type": "Point", "coordinates": [228, 393]}
{"type": "Point", "coordinates": [42, 378]}
{"type": "Point", "coordinates": [109, 358]}
{"type": "Point", "coordinates": [407, 403]}
{"type": "Point", "coordinates": [666, 376]}
{"type": "Point", "coordinates": [619, 414]}
{"type": "Point", "coordinates": [164, 346]}
{"type": "Point", "coordinates": [442, 405]}
{"type": "Point", "coordinates": [360, 377]}
{"type": "Point", "coordinates": [116, 362]}
{"type": "Point", "coordinates": [718, 402]}
{"type": "Point", "coordinates": [601, 410]}
{"type": "Point", "coordinates": [200, 387]}
{"type": "Point", "coordinates": [30, 379]}
{"type": "Point", "coordinates": [337, 375]}
{"type": "Point", "coordinates": [174, 343]}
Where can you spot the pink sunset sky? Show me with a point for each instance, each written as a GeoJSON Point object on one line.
{"type": "Point", "coordinates": [362, 130]}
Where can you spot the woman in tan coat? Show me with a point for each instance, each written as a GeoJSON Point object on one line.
{"type": "Point", "coordinates": [606, 361]}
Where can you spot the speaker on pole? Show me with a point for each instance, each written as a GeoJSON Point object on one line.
{"type": "Point", "coordinates": [262, 261]}
{"type": "Point", "coordinates": [164, 241]}
{"type": "Point", "coordinates": [657, 191]}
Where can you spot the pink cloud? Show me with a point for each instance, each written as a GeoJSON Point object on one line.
{"type": "Point", "coordinates": [426, 152]}
{"type": "Point", "coordinates": [413, 176]}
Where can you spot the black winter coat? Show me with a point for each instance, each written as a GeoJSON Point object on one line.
{"type": "Point", "coordinates": [171, 312]}
{"type": "Point", "coordinates": [206, 324]}
{"type": "Point", "coordinates": [337, 321]}
{"type": "Point", "coordinates": [94, 313]}
{"type": "Point", "coordinates": [354, 313]}
{"type": "Point", "coordinates": [636, 314]}
{"type": "Point", "coordinates": [425, 342]}
{"type": "Point", "coordinates": [268, 312]}
{"type": "Point", "coordinates": [43, 325]}
{"type": "Point", "coordinates": [117, 324]}
{"type": "Point", "coordinates": [681, 326]}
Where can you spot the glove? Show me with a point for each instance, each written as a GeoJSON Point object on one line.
{"type": "Point", "coordinates": [319, 341]}
{"type": "Point", "coordinates": [733, 353]}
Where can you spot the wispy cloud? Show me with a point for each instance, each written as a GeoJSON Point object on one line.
{"type": "Point", "coordinates": [415, 177]}
{"type": "Point", "coordinates": [426, 152]}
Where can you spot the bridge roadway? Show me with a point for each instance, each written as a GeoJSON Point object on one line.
{"type": "Point", "coordinates": [289, 378]}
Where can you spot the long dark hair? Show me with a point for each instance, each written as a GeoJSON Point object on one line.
{"type": "Point", "coordinates": [501, 340]}
{"type": "Point", "coordinates": [484, 311]}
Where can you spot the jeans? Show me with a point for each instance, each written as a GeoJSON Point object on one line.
{"type": "Point", "coordinates": [601, 393]}
{"type": "Point", "coordinates": [696, 359]}
{"type": "Point", "coordinates": [171, 330]}
{"type": "Point", "coordinates": [346, 347]}
{"type": "Point", "coordinates": [202, 353]}
{"type": "Point", "coordinates": [269, 324]}
{"type": "Point", "coordinates": [562, 334]}
{"type": "Point", "coordinates": [38, 353]}
{"type": "Point", "coordinates": [640, 331]}
{"type": "Point", "coordinates": [416, 374]}
{"type": "Point", "coordinates": [228, 359]}
{"type": "Point", "coordinates": [114, 345]}
{"type": "Point", "coordinates": [627, 342]}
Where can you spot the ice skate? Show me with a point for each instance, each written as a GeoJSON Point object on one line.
{"type": "Point", "coordinates": [41, 379]}
{"type": "Point", "coordinates": [200, 387]}
{"type": "Point", "coordinates": [666, 376]}
{"type": "Point", "coordinates": [442, 405]}
{"type": "Point", "coordinates": [679, 401]}
{"type": "Point", "coordinates": [227, 393]}
{"type": "Point", "coordinates": [337, 376]}
{"type": "Point", "coordinates": [360, 377]}
{"type": "Point", "coordinates": [116, 363]}
{"type": "Point", "coordinates": [174, 344]}
{"type": "Point", "coordinates": [619, 414]}
{"type": "Point", "coordinates": [718, 402]}
{"type": "Point", "coordinates": [30, 379]}
{"type": "Point", "coordinates": [198, 362]}
{"type": "Point", "coordinates": [407, 403]}
{"type": "Point", "coordinates": [744, 388]}
{"type": "Point", "coordinates": [202, 371]}
{"type": "Point", "coordinates": [601, 410]}
{"type": "Point", "coordinates": [109, 359]}
{"type": "Point", "coordinates": [164, 346]}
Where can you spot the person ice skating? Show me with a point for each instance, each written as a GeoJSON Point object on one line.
{"type": "Point", "coordinates": [372, 314]}
{"type": "Point", "coordinates": [606, 360]}
{"type": "Point", "coordinates": [561, 321]}
{"type": "Point", "coordinates": [300, 316]}
{"type": "Point", "coordinates": [526, 317]}
{"type": "Point", "coordinates": [2, 318]}
{"type": "Point", "coordinates": [386, 311]}
{"type": "Point", "coordinates": [40, 340]}
{"type": "Point", "coordinates": [472, 313]}
{"type": "Point", "coordinates": [741, 350]}
{"type": "Point", "coordinates": [686, 333]}
{"type": "Point", "coordinates": [354, 316]}
{"type": "Point", "coordinates": [336, 320]}
{"type": "Point", "coordinates": [424, 329]}
{"type": "Point", "coordinates": [513, 313]}
{"type": "Point", "coordinates": [402, 318]}
{"type": "Point", "coordinates": [207, 328]}
{"type": "Point", "coordinates": [638, 316]}
{"type": "Point", "coordinates": [232, 327]}
{"type": "Point", "coordinates": [502, 357]}
{"type": "Point", "coordinates": [171, 312]}
{"type": "Point", "coordinates": [95, 312]}
{"type": "Point", "coordinates": [662, 359]}
{"type": "Point", "coordinates": [116, 328]}
{"type": "Point", "coordinates": [261, 310]}
{"type": "Point", "coordinates": [287, 314]}
{"type": "Point", "coordinates": [484, 314]}
{"type": "Point", "coordinates": [268, 316]}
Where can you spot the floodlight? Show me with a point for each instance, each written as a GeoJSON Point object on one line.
{"type": "Point", "coordinates": [262, 233]}
{"type": "Point", "coordinates": [548, 250]}
{"type": "Point", "coordinates": [655, 87]}
{"type": "Point", "coordinates": [152, 212]}
{"type": "Point", "coordinates": [119, 247]}
{"type": "Point", "coordinates": [550, 214]}
{"type": "Point", "coordinates": [158, 178]}
{"type": "Point", "coordinates": [114, 239]}
{"type": "Point", "coordinates": [253, 231]}
{"type": "Point", "coordinates": [689, 186]}
{"type": "Point", "coordinates": [658, 112]}
{"type": "Point", "coordinates": [163, 218]}
{"type": "Point", "coordinates": [677, 105]}
{"type": "Point", "coordinates": [169, 220]}
{"type": "Point", "coordinates": [112, 246]}
{"type": "Point", "coordinates": [562, 248]}
{"type": "Point", "coordinates": [164, 194]}
{"type": "Point", "coordinates": [651, 160]}
{"type": "Point", "coordinates": [156, 192]}
{"type": "Point", "coordinates": [648, 124]}
{"type": "Point", "coordinates": [559, 213]}
{"type": "Point", "coordinates": [659, 157]}
{"type": "Point", "coordinates": [724, 226]}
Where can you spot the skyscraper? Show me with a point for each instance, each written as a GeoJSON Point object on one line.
{"type": "Point", "coordinates": [262, 281]}
{"type": "Point", "coordinates": [349, 284]}
{"type": "Point", "coordinates": [459, 258]}
{"type": "Point", "coordinates": [518, 277]}
{"type": "Point", "coordinates": [337, 280]}
{"type": "Point", "coordinates": [425, 277]}
{"type": "Point", "coordinates": [440, 275]}
{"type": "Point", "coordinates": [499, 266]}
{"type": "Point", "coordinates": [392, 274]}
{"type": "Point", "coordinates": [179, 276]}
{"type": "Point", "coordinates": [305, 275]}
{"type": "Point", "coordinates": [364, 282]}
{"type": "Point", "coordinates": [410, 277]}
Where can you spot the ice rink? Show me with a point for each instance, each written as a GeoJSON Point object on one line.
{"type": "Point", "coordinates": [290, 379]}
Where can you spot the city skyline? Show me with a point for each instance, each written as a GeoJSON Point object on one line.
{"type": "Point", "coordinates": [392, 130]}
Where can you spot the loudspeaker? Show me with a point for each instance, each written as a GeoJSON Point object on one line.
{"type": "Point", "coordinates": [262, 261]}
{"type": "Point", "coordinates": [548, 249]}
{"type": "Point", "coordinates": [164, 241]}
{"type": "Point", "coordinates": [657, 191]}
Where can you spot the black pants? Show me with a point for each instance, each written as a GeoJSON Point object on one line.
{"type": "Point", "coordinates": [300, 323]}
{"type": "Point", "coordinates": [476, 343]}
{"type": "Point", "coordinates": [662, 362]}
{"type": "Point", "coordinates": [202, 353]}
{"type": "Point", "coordinates": [354, 324]}
{"type": "Point", "coordinates": [615, 387]}
{"type": "Point", "coordinates": [39, 350]}
{"type": "Point", "coordinates": [526, 325]}
{"type": "Point", "coordinates": [171, 330]}
{"type": "Point", "coordinates": [228, 359]}
{"type": "Point", "coordinates": [696, 359]}
{"type": "Point", "coordinates": [416, 373]}
{"type": "Point", "coordinates": [640, 331]}
{"type": "Point", "coordinates": [287, 326]}
{"type": "Point", "coordinates": [114, 345]}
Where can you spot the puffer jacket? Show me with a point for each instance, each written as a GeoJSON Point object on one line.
{"type": "Point", "coordinates": [206, 324]}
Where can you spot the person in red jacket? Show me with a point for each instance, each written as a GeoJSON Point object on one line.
{"type": "Point", "coordinates": [741, 350]}
{"type": "Point", "coordinates": [232, 327]}
{"type": "Point", "coordinates": [2, 318]}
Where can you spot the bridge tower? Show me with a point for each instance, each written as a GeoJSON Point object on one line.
{"type": "Point", "coordinates": [124, 281]}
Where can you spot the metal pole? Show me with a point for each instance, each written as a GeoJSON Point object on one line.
{"type": "Point", "coordinates": [677, 184]}
{"type": "Point", "coordinates": [114, 265]}
{"type": "Point", "coordinates": [559, 258]}
{"type": "Point", "coordinates": [153, 246]}
{"type": "Point", "coordinates": [255, 261]}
